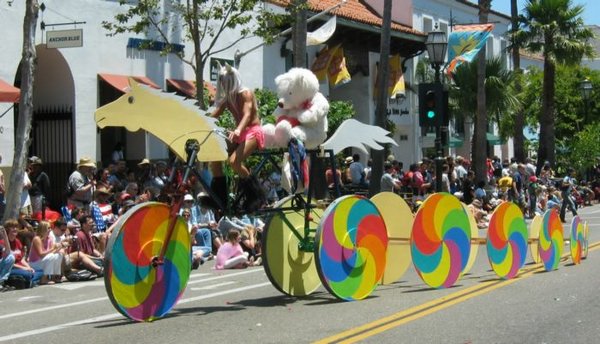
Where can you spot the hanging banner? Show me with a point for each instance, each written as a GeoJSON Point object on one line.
{"type": "Point", "coordinates": [465, 42]}
{"type": "Point", "coordinates": [322, 34]}
{"type": "Point", "coordinates": [337, 73]}
{"type": "Point", "coordinates": [396, 86]}
{"type": "Point", "coordinates": [319, 66]}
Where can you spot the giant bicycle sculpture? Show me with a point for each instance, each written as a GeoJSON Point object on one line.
{"type": "Point", "coordinates": [350, 246]}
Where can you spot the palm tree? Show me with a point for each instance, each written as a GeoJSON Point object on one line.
{"type": "Point", "coordinates": [499, 93]}
{"type": "Point", "coordinates": [519, 123]}
{"type": "Point", "coordinates": [479, 137]}
{"type": "Point", "coordinates": [555, 29]}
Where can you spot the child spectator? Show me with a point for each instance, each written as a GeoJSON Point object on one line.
{"type": "Point", "coordinates": [231, 255]}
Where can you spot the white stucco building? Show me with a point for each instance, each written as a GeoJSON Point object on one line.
{"type": "Point", "coordinates": [70, 83]}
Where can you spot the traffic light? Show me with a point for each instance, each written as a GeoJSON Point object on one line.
{"type": "Point", "coordinates": [433, 105]}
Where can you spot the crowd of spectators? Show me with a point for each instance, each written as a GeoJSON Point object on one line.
{"type": "Point", "coordinates": [45, 246]}
{"type": "Point", "coordinates": [505, 180]}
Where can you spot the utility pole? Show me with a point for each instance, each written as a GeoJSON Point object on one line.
{"type": "Point", "coordinates": [382, 97]}
{"type": "Point", "coordinates": [299, 33]}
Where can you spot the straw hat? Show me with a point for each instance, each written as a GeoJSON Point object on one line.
{"type": "Point", "coordinates": [349, 160]}
{"type": "Point", "coordinates": [34, 160]}
{"type": "Point", "coordinates": [144, 162]}
{"type": "Point", "coordinates": [86, 162]}
{"type": "Point", "coordinates": [102, 190]}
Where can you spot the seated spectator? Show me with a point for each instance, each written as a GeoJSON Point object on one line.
{"type": "Point", "coordinates": [480, 215]}
{"type": "Point", "coordinates": [231, 255]}
{"type": "Point", "coordinates": [82, 252]}
{"type": "Point", "coordinates": [554, 200]}
{"type": "Point", "coordinates": [44, 254]}
{"type": "Point", "coordinates": [60, 235]}
{"type": "Point", "coordinates": [21, 267]}
{"type": "Point", "coordinates": [249, 244]}
{"type": "Point", "coordinates": [200, 237]}
{"type": "Point", "coordinates": [205, 218]}
{"type": "Point", "coordinates": [101, 209]}
{"type": "Point", "coordinates": [133, 190]}
{"type": "Point", "coordinates": [7, 260]}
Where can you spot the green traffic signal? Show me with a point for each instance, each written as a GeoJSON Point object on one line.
{"type": "Point", "coordinates": [430, 114]}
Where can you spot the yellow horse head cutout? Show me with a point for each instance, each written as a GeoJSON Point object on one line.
{"type": "Point", "coordinates": [172, 119]}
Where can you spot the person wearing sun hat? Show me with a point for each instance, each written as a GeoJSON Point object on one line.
{"type": "Point", "coordinates": [80, 187]}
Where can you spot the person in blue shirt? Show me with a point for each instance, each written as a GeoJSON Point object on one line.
{"type": "Point", "coordinates": [568, 183]}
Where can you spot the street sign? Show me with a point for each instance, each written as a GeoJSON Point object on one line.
{"type": "Point", "coordinates": [64, 38]}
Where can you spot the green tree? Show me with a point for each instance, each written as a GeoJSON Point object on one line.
{"type": "Point", "coordinates": [570, 106]}
{"type": "Point", "coordinates": [499, 93]}
{"type": "Point", "coordinates": [203, 21]}
{"type": "Point", "coordinates": [555, 29]}
{"type": "Point", "coordinates": [585, 148]}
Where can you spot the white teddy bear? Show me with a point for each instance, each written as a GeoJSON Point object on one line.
{"type": "Point", "coordinates": [301, 113]}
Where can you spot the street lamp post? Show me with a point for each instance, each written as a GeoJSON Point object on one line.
{"type": "Point", "coordinates": [586, 87]}
{"type": "Point", "coordinates": [437, 43]}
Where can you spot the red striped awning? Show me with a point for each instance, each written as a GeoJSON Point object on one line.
{"type": "Point", "coordinates": [188, 87]}
{"type": "Point", "coordinates": [121, 82]}
{"type": "Point", "coordinates": [9, 93]}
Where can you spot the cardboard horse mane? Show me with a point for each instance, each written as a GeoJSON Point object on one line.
{"type": "Point", "coordinates": [171, 118]}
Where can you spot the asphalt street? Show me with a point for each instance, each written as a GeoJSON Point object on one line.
{"type": "Point", "coordinates": [561, 306]}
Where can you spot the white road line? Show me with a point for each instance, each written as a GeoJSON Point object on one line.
{"type": "Point", "coordinates": [38, 310]}
{"type": "Point", "coordinates": [79, 285]}
{"type": "Point", "coordinates": [219, 293]}
{"type": "Point", "coordinates": [245, 272]}
{"type": "Point", "coordinates": [27, 298]}
{"type": "Point", "coordinates": [118, 315]}
{"type": "Point", "coordinates": [198, 275]}
{"type": "Point", "coordinates": [212, 286]}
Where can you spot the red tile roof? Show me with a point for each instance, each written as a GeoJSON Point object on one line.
{"type": "Point", "coordinates": [354, 10]}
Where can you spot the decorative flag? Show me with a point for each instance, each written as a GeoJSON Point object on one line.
{"type": "Point", "coordinates": [322, 34]}
{"type": "Point", "coordinates": [319, 66]}
{"type": "Point", "coordinates": [465, 42]}
{"type": "Point", "coordinates": [336, 71]}
{"type": "Point", "coordinates": [396, 85]}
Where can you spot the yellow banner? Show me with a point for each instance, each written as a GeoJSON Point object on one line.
{"type": "Point", "coordinates": [395, 83]}
{"type": "Point", "coordinates": [319, 66]}
{"type": "Point", "coordinates": [337, 72]}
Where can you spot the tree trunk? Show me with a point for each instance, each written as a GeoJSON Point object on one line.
{"type": "Point", "coordinates": [546, 149]}
{"type": "Point", "coordinates": [377, 156]}
{"type": "Point", "coordinates": [28, 64]}
{"type": "Point", "coordinates": [518, 137]}
{"type": "Point", "coordinates": [299, 34]}
{"type": "Point", "coordinates": [480, 140]}
{"type": "Point", "coordinates": [199, 63]}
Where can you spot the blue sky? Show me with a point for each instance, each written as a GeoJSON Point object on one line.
{"type": "Point", "coordinates": [590, 14]}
